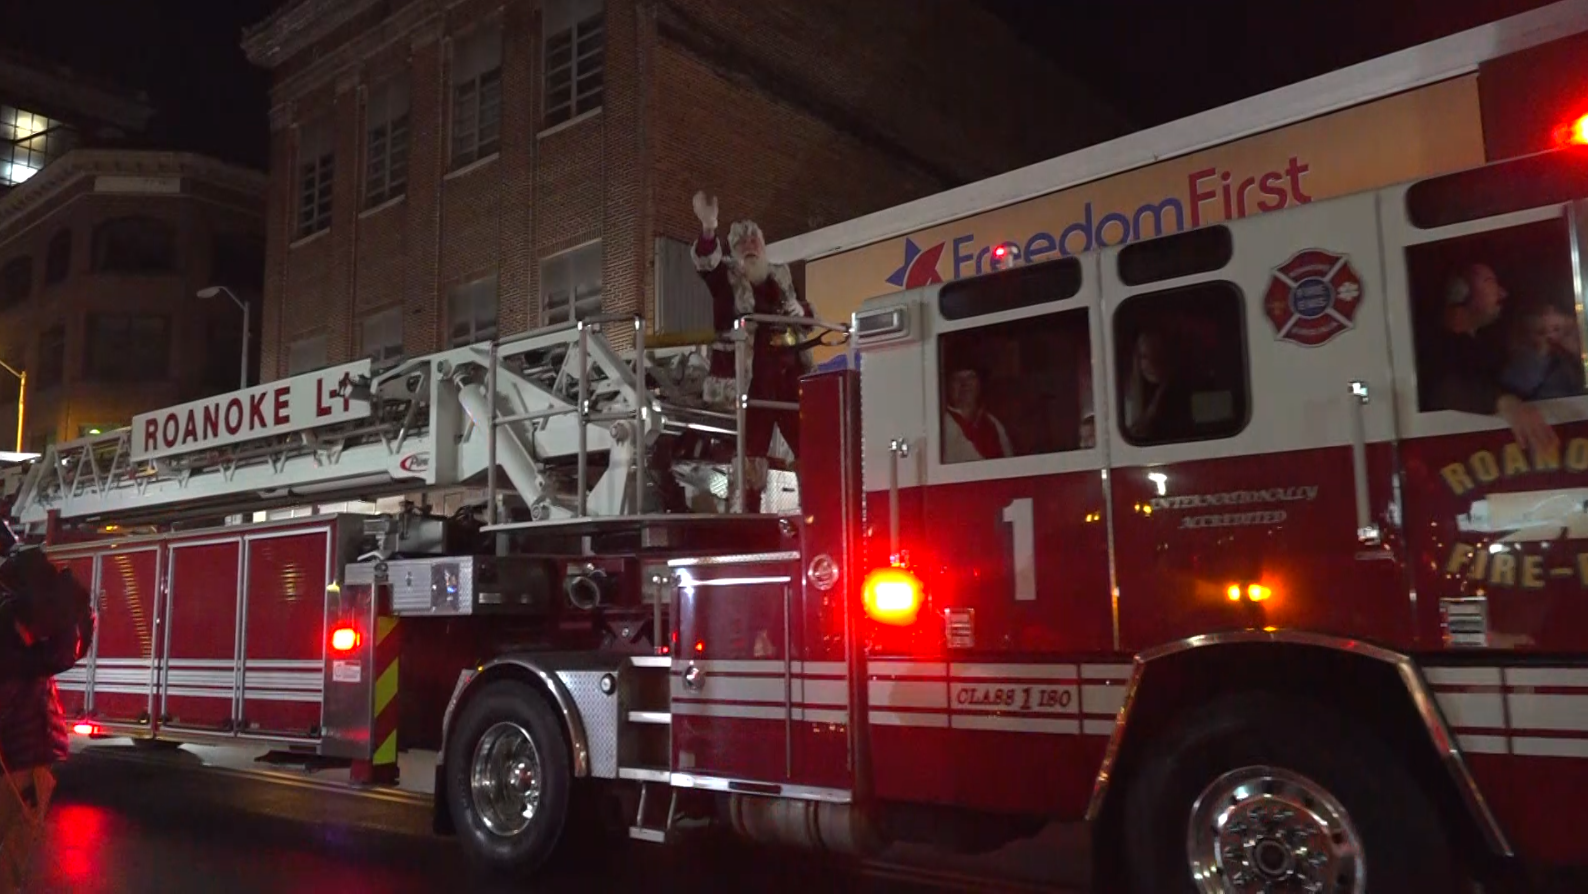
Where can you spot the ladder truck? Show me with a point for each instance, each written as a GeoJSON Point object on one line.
{"type": "Point", "coordinates": [1182, 538]}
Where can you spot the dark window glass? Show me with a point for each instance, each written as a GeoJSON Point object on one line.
{"type": "Point", "coordinates": [1010, 289]}
{"type": "Point", "coordinates": [1018, 388]}
{"type": "Point", "coordinates": [1182, 368]}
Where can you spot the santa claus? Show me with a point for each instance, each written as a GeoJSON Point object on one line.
{"type": "Point", "coordinates": [742, 281]}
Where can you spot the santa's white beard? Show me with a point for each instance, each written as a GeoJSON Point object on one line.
{"type": "Point", "coordinates": [756, 269]}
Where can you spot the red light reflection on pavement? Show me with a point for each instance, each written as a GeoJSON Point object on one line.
{"type": "Point", "coordinates": [79, 838]}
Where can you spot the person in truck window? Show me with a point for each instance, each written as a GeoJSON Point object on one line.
{"type": "Point", "coordinates": [1157, 407]}
{"type": "Point", "coordinates": [969, 431]}
{"type": "Point", "coordinates": [1463, 357]}
{"type": "Point", "coordinates": [1539, 366]}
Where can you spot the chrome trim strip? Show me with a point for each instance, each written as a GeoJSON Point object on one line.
{"type": "Point", "coordinates": [792, 792]}
{"type": "Point", "coordinates": [734, 560]}
{"type": "Point", "coordinates": [1411, 676]}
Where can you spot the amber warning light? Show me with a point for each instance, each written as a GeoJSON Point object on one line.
{"type": "Point", "coordinates": [892, 596]}
{"type": "Point", "coordinates": [1573, 133]}
{"type": "Point", "coordinates": [344, 639]}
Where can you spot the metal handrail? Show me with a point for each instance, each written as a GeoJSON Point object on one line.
{"type": "Point", "coordinates": [744, 342]}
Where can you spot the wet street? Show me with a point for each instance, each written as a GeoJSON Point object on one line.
{"type": "Point", "coordinates": [132, 826]}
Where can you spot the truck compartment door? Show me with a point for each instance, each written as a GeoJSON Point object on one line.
{"type": "Point", "coordinates": [732, 686]}
{"type": "Point", "coordinates": [198, 675]}
{"type": "Point", "coordinates": [286, 574]}
{"type": "Point", "coordinates": [125, 648]}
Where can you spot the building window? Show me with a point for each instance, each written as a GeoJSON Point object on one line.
{"type": "Point", "coordinates": [570, 285]}
{"type": "Point", "coordinates": [1181, 364]}
{"type": "Point", "coordinates": [476, 97]}
{"type": "Point", "coordinates": [28, 142]}
{"type": "Point", "coordinates": [382, 338]}
{"type": "Point", "coordinates": [16, 281]}
{"type": "Point", "coordinates": [306, 355]}
{"type": "Point", "coordinates": [386, 168]}
{"type": "Point", "coordinates": [575, 39]}
{"type": "Point", "coordinates": [58, 257]}
{"type": "Point", "coordinates": [471, 308]}
{"type": "Point", "coordinates": [134, 245]}
{"type": "Point", "coordinates": [316, 172]}
{"type": "Point", "coordinates": [52, 358]}
{"type": "Point", "coordinates": [127, 348]}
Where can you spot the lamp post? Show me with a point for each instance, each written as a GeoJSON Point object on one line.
{"type": "Point", "coordinates": [211, 292]}
{"type": "Point", "coordinates": [22, 397]}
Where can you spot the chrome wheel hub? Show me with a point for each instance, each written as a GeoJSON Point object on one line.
{"type": "Point", "coordinates": [1264, 830]}
{"type": "Point", "coordinates": [504, 779]}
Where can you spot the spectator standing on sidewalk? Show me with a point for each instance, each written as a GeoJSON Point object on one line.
{"type": "Point", "coordinates": [46, 626]}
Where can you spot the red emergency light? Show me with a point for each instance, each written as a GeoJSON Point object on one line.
{"type": "Point", "coordinates": [1573, 133]}
{"type": "Point", "coordinates": [892, 596]}
{"type": "Point", "coordinates": [344, 639]}
{"type": "Point", "coordinates": [85, 729]}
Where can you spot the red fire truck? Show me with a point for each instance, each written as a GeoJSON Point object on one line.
{"type": "Point", "coordinates": [1182, 538]}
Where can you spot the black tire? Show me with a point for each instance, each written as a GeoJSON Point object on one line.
{"type": "Point", "coordinates": [524, 851]}
{"type": "Point", "coordinates": [1401, 836]}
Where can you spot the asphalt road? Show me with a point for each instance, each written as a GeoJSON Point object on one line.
{"type": "Point", "coordinates": [121, 826]}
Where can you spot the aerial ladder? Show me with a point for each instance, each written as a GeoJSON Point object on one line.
{"type": "Point", "coordinates": [581, 431]}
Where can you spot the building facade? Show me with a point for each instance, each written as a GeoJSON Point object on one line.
{"type": "Point", "coordinates": [102, 253]}
{"type": "Point", "coordinates": [46, 112]}
{"type": "Point", "coordinates": [445, 171]}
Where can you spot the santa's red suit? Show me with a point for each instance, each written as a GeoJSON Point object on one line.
{"type": "Point", "coordinates": [775, 369]}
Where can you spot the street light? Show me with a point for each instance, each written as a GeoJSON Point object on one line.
{"type": "Point", "coordinates": [22, 396]}
{"type": "Point", "coordinates": [211, 292]}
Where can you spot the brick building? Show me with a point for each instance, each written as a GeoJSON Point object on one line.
{"type": "Point", "coordinates": [445, 171]}
{"type": "Point", "coordinates": [101, 254]}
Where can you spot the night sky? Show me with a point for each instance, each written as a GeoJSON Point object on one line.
{"type": "Point", "coordinates": [1155, 61]}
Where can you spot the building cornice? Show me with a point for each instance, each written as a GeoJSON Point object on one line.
{"type": "Point", "coordinates": [56, 178]}
{"type": "Point", "coordinates": [297, 27]}
{"type": "Point", "coordinates": [416, 23]}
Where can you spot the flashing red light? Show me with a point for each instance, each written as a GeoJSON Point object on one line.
{"type": "Point", "coordinates": [85, 729]}
{"type": "Point", "coordinates": [700, 646]}
{"type": "Point", "coordinates": [344, 639]}
{"type": "Point", "coordinates": [999, 252]}
{"type": "Point", "coordinates": [1574, 133]}
{"type": "Point", "coordinates": [892, 596]}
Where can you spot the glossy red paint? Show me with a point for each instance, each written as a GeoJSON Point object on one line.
{"type": "Point", "coordinates": [1286, 521]}
{"type": "Point", "coordinates": [734, 723]}
{"type": "Point", "coordinates": [1491, 521]}
{"type": "Point", "coordinates": [830, 526]}
{"type": "Point", "coordinates": [125, 640]}
{"type": "Point", "coordinates": [1501, 529]}
{"type": "Point", "coordinates": [197, 680]}
{"type": "Point", "coordinates": [284, 622]}
{"type": "Point", "coordinates": [965, 554]}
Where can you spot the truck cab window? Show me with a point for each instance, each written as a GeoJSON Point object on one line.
{"type": "Point", "coordinates": [1182, 364]}
{"type": "Point", "coordinates": [1495, 313]}
{"type": "Point", "coordinates": [1014, 388]}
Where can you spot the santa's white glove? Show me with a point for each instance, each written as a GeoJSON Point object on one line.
{"type": "Point", "coordinates": [706, 210]}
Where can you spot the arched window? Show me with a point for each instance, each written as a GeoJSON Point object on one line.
{"type": "Point", "coordinates": [134, 245]}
